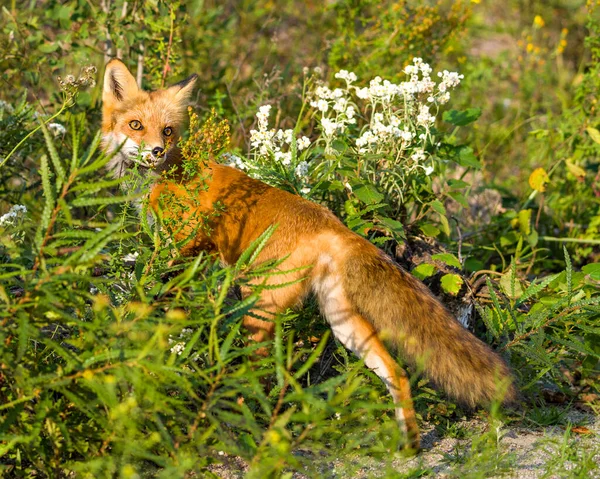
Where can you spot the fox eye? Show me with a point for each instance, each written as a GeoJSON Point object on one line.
{"type": "Point", "coordinates": [168, 131]}
{"type": "Point", "coordinates": [135, 125]}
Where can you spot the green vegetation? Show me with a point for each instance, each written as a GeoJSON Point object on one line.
{"type": "Point", "coordinates": [118, 361]}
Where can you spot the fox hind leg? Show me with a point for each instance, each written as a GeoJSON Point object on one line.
{"type": "Point", "coordinates": [261, 324]}
{"type": "Point", "coordinates": [358, 335]}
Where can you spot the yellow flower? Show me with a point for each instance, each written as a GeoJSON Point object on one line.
{"type": "Point", "coordinates": [538, 21]}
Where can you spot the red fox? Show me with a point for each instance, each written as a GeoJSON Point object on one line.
{"type": "Point", "coordinates": [362, 293]}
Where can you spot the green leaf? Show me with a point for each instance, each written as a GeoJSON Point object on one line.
{"type": "Point", "coordinates": [48, 47]}
{"type": "Point", "coordinates": [393, 226]}
{"type": "Point", "coordinates": [534, 288]}
{"type": "Point", "coordinates": [108, 200]}
{"type": "Point", "coordinates": [430, 230]}
{"type": "Point", "coordinates": [424, 270]}
{"type": "Point", "coordinates": [447, 258]}
{"type": "Point", "coordinates": [444, 225]}
{"type": "Point", "coordinates": [58, 167]}
{"type": "Point", "coordinates": [462, 118]}
{"type": "Point", "coordinates": [594, 134]}
{"type": "Point", "coordinates": [367, 193]}
{"type": "Point", "coordinates": [510, 285]}
{"type": "Point", "coordinates": [525, 221]}
{"type": "Point", "coordinates": [473, 264]}
{"type": "Point", "coordinates": [49, 195]}
{"type": "Point", "coordinates": [250, 254]}
{"type": "Point", "coordinates": [459, 198]}
{"type": "Point", "coordinates": [451, 283]}
{"type": "Point", "coordinates": [457, 184]}
{"type": "Point", "coordinates": [532, 238]}
{"type": "Point", "coordinates": [95, 186]}
{"type": "Point", "coordinates": [568, 271]}
{"type": "Point", "coordinates": [438, 207]}
{"type": "Point", "coordinates": [593, 270]}
{"type": "Point", "coordinates": [466, 157]}
{"type": "Point", "coordinates": [576, 170]}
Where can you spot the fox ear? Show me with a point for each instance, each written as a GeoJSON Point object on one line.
{"type": "Point", "coordinates": [182, 91]}
{"type": "Point", "coordinates": [119, 83]}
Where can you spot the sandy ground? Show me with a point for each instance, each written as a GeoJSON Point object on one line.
{"type": "Point", "coordinates": [528, 453]}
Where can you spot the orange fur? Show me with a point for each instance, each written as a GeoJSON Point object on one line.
{"type": "Point", "coordinates": [363, 295]}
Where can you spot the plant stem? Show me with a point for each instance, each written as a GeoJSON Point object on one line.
{"type": "Point", "coordinates": [569, 240]}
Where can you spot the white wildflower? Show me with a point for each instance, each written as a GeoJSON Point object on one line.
{"type": "Point", "coordinates": [263, 117]}
{"type": "Point", "coordinates": [350, 77]}
{"type": "Point", "coordinates": [411, 70]}
{"type": "Point", "coordinates": [302, 169]}
{"type": "Point", "coordinates": [130, 257]}
{"type": "Point", "coordinates": [425, 118]}
{"type": "Point", "coordinates": [418, 155]}
{"type": "Point", "coordinates": [366, 139]}
{"type": "Point", "coordinates": [234, 161]}
{"type": "Point", "coordinates": [284, 158]}
{"type": "Point", "coordinates": [362, 93]}
{"type": "Point", "coordinates": [323, 92]}
{"type": "Point", "coordinates": [322, 105]}
{"type": "Point", "coordinates": [444, 98]}
{"type": "Point", "coordinates": [57, 129]}
{"type": "Point", "coordinates": [340, 105]}
{"type": "Point", "coordinates": [6, 106]}
{"type": "Point", "coordinates": [178, 348]}
{"type": "Point", "coordinates": [329, 126]}
{"type": "Point", "coordinates": [302, 143]}
{"type": "Point", "coordinates": [16, 213]}
{"type": "Point", "coordinates": [406, 135]}
{"type": "Point", "coordinates": [428, 170]}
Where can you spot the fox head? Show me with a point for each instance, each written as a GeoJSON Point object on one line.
{"type": "Point", "coordinates": [145, 125]}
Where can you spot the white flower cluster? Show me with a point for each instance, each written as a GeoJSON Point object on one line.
{"type": "Point", "coordinates": [337, 102]}
{"type": "Point", "coordinates": [179, 346]}
{"type": "Point", "coordinates": [130, 257]}
{"type": "Point", "coordinates": [6, 106]}
{"type": "Point", "coordinates": [57, 129]}
{"type": "Point", "coordinates": [266, 142]}
{"type": "Point", "coordinates": [350, 77]}
{"type": "Point", "coordinates": [234, 160]}
{"type": "Point", "coordinates": [302, 169]}
{"type": "Point", "coordinates": [11, 218]}
{"type": "Point", "coordinates": [399, 115]}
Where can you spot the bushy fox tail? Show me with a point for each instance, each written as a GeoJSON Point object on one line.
{"type": "Point", "coordinates": [405, 313]}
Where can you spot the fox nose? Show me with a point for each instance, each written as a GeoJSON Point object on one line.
{"type": "Point", "coordinates": [158, 151]}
